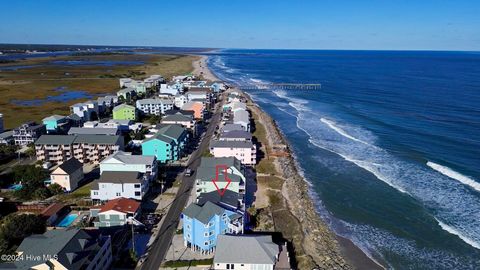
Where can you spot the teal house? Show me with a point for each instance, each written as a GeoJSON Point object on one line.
{"type": "Point", "coordinates": [56, 123]}
{"type": "Point", "coordinates": [168, 143]}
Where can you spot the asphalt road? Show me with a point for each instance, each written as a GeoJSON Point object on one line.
{"type": "Point", "coordinates": [159, 248]}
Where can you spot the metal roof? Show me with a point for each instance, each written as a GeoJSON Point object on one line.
{"type": "Point", "coordinates": [249, 249]}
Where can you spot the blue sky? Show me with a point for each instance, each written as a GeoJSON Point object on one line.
{"type": "Point", "coordinates": [322, 24]}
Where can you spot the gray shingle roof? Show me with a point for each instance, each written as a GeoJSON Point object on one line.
{"type": "Point", "coordinates": [120, 177]}
{"type": "Point", "coordinates": [176, 118]}
{"type": "Point", "coordinates": [203, 213]}
{"type": "Point", "coordinates": [229, 198]}
{"type": "Point", "coordinates": [95, 131]}
{"type": "Point", "coordinates": [56, 139]}
{"type": "Point", "coordinates": [6, 134]}
{"type": "Point", "coordinates": [214, 161]}
{"type": "Point", "coordinates": [70, 166]}
{"type": "Point", "coordinates": [73, 247]}
{"type": "Point", "coordinates": [231, 127]}
{"type": "Point", "coordinates": [97, 139]}
{"type": "Point", "coordinates": [249, 249]}
{"type": "Point", "coordinates": [130, 159]}
{"type": "Point", "coordinates": [172, 131]}
{"type": "Point", "coordinates": [241, 116]}
{"type": "Point", "coordinates": [236, 134]}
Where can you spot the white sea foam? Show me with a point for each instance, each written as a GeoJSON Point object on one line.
{"type": "Point", "coordinates": [454, 175]}
{"type": "Point", "coordinates": [456, 232]}
{"type": "Point", "coordinates": [451, 200]}
{"type": "Point", "coordinates": [340, 131]}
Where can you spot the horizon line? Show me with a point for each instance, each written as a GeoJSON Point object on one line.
{"type": "Point", "coordinates": [240, 48]}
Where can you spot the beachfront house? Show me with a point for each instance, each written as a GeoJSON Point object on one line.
{"type": "Point", "coordinates": [232, 127]}
{"type": "Point", "coordinates": [68, 174]}
{"type": "Point", "coordinates": [170, 89]}
{"type": "Point", "coordinates": [112, 185]}
{"type": "Point", "coordinates": [167, 144]}
{"type": "Point", "coordinates": [245, 151]}
{"type": "Point", "coordinates": [154, 106]}
{"type": "Point", "coordinates": [87, 110]}
{"type": "Point", "coordinates": [202, 224]}
{"type": "Point", "coordinates": [197, 107]}
{"type": "Point", "coordinates": [228, 172]}
{"type": "Point", "coordinates": [71, 249]}
{"type": "Point", "coordinates": [116, 212]}
{"type": "Point", "coordinates": [124, 112]}
{"type": "Point", "coordinates": [28, 133]}
{"type": "Point", "coordinates": [235, 135]}
{"type": "Point", "coordinates": [126, 162]}
{"type": "Point", "coordinates": [252, 252]}
{"type": "Point", "coordinates": [242, 118]}
{"type": "Point", "coordinates": [56, 124]}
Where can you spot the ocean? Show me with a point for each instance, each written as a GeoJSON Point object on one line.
{"type": "Point", "coordinates": [389, 142]}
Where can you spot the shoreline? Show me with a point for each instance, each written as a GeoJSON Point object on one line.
{"type": "Point", "coordinates": [325, 248]}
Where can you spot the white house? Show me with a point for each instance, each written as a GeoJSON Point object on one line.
{"type": "Point", "coordinates": [251, 252]}
{"type": "Point", "coordinates": [112, 185]}
{"type": "Point", "coordinates": [154, 106]}
{"type": "Point", "coordinates": [126, 162]}
{"type": "Point", "coordinates": [180, 100]}
{"type": "Point", "coordinates": [86, 110]}
{"type": "Point", "coordinates": [242, 118]}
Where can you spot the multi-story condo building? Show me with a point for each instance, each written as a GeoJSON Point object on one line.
{"type": "Point", "coordinates": [112, 185]}
{"type": "Point", "coordinates": [85, 148]}
{"type": "Point", "coordinates": [245, 151]}
{"type": "Point", "coordinates": [154, 106]}
{"type": "Point", "coordinates": [28, 133]}
{"type": "Point", "coordinates": [126, 162]}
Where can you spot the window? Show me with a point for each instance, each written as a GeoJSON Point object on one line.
{"type": "Point", "coordinates": [205, 243]}
{"type": "Point", "coordinates": [137, 186]}
{"type": "Point", "coordinates": [138, 193]}
{"type": "Point", "coordinates": [95, 193]}
{"type": "Point", "coordinates": [119, 194]}
{"type": "Point", "coordinates": [107, 216]}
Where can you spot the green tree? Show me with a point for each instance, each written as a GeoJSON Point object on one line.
{"type": "Point", "coordinates": [55, 189]}
{"type": "Point", "coordinates": [15, 227]}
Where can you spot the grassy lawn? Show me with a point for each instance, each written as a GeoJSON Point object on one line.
{"type": "Point", "coordinates": [39, 82]}
{"type": "Point", "coordinates": [80, 193]}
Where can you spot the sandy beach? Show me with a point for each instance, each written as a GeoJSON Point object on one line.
{"type": "Point", "coordinates": [324, 249]}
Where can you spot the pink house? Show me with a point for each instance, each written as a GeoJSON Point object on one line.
{"type": "Point", "coordinates": [245, 151]}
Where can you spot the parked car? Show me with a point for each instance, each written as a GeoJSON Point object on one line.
{"type": "Point", "coordinates": [188, 172]}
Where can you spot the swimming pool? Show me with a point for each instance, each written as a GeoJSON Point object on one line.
{"type": "Point", "coordinates": [15, 187]}
{"type": "Point", "coordinates": [67, 221]}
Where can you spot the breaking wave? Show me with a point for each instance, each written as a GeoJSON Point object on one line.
{"type": "Point", "coordinates": [454, 175]}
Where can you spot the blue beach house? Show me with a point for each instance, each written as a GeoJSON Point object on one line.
{"type": "Point", "coordinates": [56, 123]}
{"type": "Point", "coordinates": [167, 144]}
{"type": "Point", "coordinates": [202, 224]}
